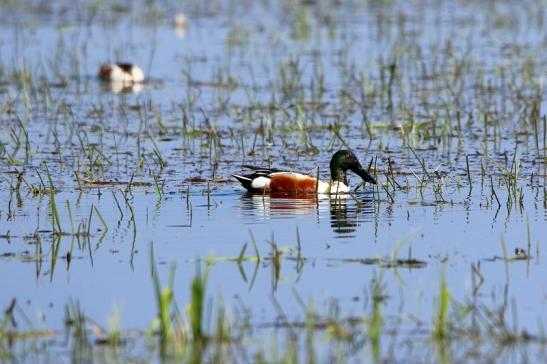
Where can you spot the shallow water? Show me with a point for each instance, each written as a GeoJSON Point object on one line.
{"type": "Point", "coordinates": [466, 78]}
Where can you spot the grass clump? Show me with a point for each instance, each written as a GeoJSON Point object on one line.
{"type": "Point", "coordinates": [440, 324]}
{"type": "Point", "coordinates": [196, 308]}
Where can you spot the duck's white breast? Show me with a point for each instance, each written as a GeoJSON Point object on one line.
{"type": "Point", "coordinates": [332, 187]}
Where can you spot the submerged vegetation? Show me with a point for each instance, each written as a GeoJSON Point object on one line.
{"type": "Point", "coordinates": [458, 331]}
{"type": "Point", "coordinates": [438, 262]}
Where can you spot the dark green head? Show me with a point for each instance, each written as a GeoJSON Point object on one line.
{"type": "Point", "coordinates": [342, 161]}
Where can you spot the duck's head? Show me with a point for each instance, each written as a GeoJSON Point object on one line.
{"type": "Point", "coordinates": [342, 161]}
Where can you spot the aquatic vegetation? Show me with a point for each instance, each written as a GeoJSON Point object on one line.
{"type": "Point", "coordinates": [441, 260]}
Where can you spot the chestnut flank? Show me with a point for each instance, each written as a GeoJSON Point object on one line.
{"type": "Point", "coordinates": [292, 183]}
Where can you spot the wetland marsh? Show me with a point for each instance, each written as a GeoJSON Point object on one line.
{"type": "Point", "coordinates": [124, 238]}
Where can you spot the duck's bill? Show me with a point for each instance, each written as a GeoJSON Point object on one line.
{"type": "Point", "coordinates": [364, 175]}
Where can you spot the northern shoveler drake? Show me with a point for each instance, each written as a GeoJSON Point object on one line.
{"type": "Point", "coordinates": [271, 180]}
{"type": "Point", "coordinates": [121, 72]}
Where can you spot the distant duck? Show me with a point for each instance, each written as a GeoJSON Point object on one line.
{"type": "Point", "coordinates": [268, 180]}
{"type": "Point", "coordinates": [180, 23]}
{"type": "Point", "coordinates": [122, 73]}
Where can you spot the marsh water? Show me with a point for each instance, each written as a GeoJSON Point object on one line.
{"type": "Point", "coordinates": [446, 101]}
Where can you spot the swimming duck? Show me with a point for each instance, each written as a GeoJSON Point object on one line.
{"type": "Point", "coordinates": [121, 72]}
{"type": "Point", "coordinates": [271, 180]}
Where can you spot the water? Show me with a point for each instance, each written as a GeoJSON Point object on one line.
{"type": "Point", "coordinates": [269, 84]}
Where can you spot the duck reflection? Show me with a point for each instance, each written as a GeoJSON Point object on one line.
{"type": "Point", "coordinates": [279, 205]}
{"type": "Point", "coordinates": [121, 87]}
{"type": "Point", "coordinates": [346, 212]}
{"type": "Point", "coordinates": [346, 215]}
